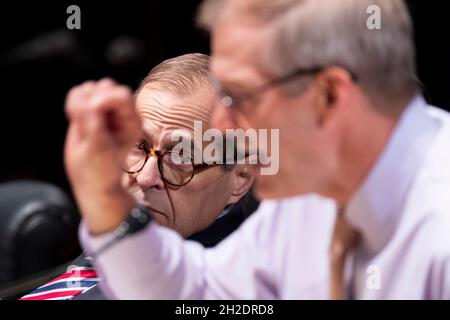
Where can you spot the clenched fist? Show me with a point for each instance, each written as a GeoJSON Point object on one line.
{"type": "Point", "coordinates": [103, 127]}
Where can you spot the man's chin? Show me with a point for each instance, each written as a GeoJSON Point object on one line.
{"type": "Point", "coordinates": [161, 219]}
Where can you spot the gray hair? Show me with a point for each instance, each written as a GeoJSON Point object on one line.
{"type": "Point", "coordinates": [181, 75]}
{"type": "Point", "coordinates": [321, 33]}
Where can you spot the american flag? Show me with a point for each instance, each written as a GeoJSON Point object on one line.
{"type": "Point", "coordinates": [77, 280]}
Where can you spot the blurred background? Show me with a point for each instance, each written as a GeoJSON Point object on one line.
{"type": "Point", "coordinates": [40, 60]}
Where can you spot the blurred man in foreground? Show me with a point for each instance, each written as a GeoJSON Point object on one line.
{"type": "Point", "coordinates": [353, 127]}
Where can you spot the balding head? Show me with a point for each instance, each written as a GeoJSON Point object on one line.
{"type": "Point", "coordinates": [176, 93]}
{"type": "Point", "coordinates": [174, 97]}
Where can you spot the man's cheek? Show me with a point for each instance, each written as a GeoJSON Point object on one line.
{"type": "Point", "coordinates": [127, 184]}
{"type": "Point", "coordinates": [126, 180]}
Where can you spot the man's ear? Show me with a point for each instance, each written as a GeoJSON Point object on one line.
{"type": "Point", "coordinates": [244, 177]}
{"type": "Point", "coordinates": [334, 85]}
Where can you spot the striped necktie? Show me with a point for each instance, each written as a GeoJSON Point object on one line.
{"type": "Point", "coordinates": [78, 279]}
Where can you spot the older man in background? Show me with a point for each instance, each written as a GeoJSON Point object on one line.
{"type": "Point", "coordinates": [205, 204]}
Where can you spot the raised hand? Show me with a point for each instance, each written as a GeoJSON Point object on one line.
{"type": "Point", "coordinates": [103, 127]}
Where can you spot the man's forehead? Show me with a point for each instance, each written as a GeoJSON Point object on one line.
{"type": "Point", "coordinates": [165, 112]}
{"type": "Point", "coordinates": [237, 51]}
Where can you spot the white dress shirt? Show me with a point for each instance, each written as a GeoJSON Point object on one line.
{"type": "Point", "coordinates": [254, 262]}
{"type": "Point", "coordinates": [402, 209]}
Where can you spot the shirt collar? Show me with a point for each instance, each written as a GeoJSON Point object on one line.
{"type": "Point", "coordinates": [225, 211]}
{"type": "Point", "coordinates": [376, 206]}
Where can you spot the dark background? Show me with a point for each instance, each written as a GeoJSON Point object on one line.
{"type": "Point", "coordinates": [40, 60]}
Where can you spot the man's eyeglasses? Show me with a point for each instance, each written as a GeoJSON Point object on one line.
{"type": "Point", "coordinates": [231, 101]}
{"type": "Point", "coordinates": [176, 173]}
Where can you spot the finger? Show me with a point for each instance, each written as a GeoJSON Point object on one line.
{"type": "Point", "coordinates": [91, 125]}
{"type": "Point", "coordinates": [126, 129]}
{"type": "Point", "coordinates": [109, 111]}
{"type": "Point", "coordinates": [116, 105]}
{"type": "Point", "coordinates": [105, 83]}
{"type": "Point", "coordinates": [76, 97]}
{"type": "Point", "coordinates": [117, 97]}
{"type": "Point", "coordinates": [87, 99]}
{"type": "Point", "coordinates": [73, 136]}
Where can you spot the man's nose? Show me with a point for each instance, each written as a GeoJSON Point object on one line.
{"type": "Point", "coordinates": [149, 176]}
